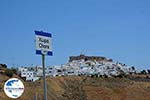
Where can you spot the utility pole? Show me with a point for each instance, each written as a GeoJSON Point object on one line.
{"type": "Point", "coordinates": [44, 77]}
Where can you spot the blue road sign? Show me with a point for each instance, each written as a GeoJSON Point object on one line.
{"type": "Point", "coordinates": [43, 43]}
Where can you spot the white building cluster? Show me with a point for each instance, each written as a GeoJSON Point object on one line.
{"type": "Point", "coordinates": [77, 67]}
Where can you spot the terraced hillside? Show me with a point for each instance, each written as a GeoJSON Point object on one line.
{"type": "Point", "coordinates": [84, 88]}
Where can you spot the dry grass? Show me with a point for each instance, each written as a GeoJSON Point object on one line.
{"type": "Point", "coordinates": [91, 89]}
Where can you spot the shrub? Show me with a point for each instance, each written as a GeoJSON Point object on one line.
{"type": "Point", "coordinates": [3, 65]}
{"type": "Point", "coordinates": [105, 76]}
{"type": "Point", "coordinates": [14, 70]}
{"type": "Point", "coordinates": [8, 72]}
{"type": "Point", "coordinates": [147, 77]}
{"type": "Point", "coordinates": [143, 72]}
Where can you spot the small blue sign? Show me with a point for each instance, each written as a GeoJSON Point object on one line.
{"type": "Point", "coordinates": [43, 43]}
{"type": "Point", "coordinates": [43, 33]}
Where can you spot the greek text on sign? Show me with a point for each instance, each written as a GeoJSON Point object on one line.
{"type": "Point", "coordinates": [43, 43]}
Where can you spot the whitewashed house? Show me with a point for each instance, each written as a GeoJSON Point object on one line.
{"type": "Point", "coordinates": [28, 75]}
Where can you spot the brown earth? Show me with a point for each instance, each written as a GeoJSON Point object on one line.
{"type": "Point", "coordinates": [83, 88]}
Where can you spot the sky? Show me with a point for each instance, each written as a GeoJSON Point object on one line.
{"type": "Point", "coordinates": [117, 29]}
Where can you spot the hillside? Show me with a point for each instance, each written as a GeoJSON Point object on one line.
{"type": "Point", "coordinates": [84, 88]}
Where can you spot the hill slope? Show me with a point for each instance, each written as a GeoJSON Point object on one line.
{"type": "Point", "coordinates": [84, 88]}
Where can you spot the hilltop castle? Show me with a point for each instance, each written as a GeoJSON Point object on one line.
{"type": "Point", "coordinates": [91, 58]}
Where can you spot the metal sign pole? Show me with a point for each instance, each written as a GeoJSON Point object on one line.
{"type": "Point", "coordinates": [44, 77]}
{"type": "Point", "coordinates": [43, 47]}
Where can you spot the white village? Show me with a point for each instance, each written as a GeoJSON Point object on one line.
{"type": "Point", "coordinates": [79, 65]}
